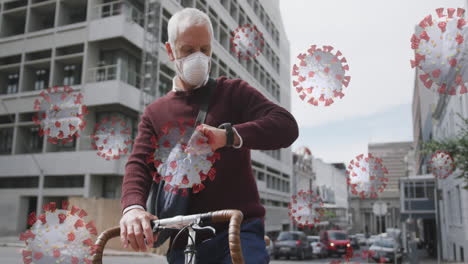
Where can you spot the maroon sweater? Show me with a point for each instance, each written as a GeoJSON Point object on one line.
{"type": "Point", "coordinates": [261, 124]}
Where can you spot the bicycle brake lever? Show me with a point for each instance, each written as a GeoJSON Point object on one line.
{"type": "Point", "coordinates": [204, 229]}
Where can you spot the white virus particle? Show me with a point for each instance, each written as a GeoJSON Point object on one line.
{"type": "Point", "coordinates": [112, 138]}
{"type": "Point", "coordinates": [60, 114]}
{"type": "Point", "coordinates": [442, 164]}
{"type": "Point", "coordinates": [247, 42]}
{"type": "Point", "coordinates": [440, 51]}
{"type": "Point", "coordinates": [306, 209]}
{"type": "Point", "coordinates": [182, 158]}
{"type": "Point", "coordinates": [366, 176]}
{"type": "Point", "coordinates": [320, 75]}
{"type": "Point", "coordinates": [59, 236]}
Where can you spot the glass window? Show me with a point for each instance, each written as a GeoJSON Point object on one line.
{"type": "Point", "coordinates": [419, 190]}
{"type": "Point", "coordinates": [12, 86]}
{"type": "Point", "coordinates": [111, 187]}
{"type": "Point", "coordinates": [42, 79]}
{"type": "Point", "coordinates": [72, 74]}
{"type": "Point", "coordinates": [6, 142]}
{"type": "Point", "coordinates": [69, 181]}
{"type": "Point", "coordinates": [19, 182]}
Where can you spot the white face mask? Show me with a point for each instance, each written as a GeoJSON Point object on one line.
{"type": "Point", "coordinates": [194, 69]}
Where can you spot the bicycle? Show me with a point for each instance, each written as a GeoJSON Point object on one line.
{"type": "Point", "coordinates": [192, 223]}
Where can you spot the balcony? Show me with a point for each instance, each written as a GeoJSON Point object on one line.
{"type": "Point", "coordinates": [117, 8]}
{"type": "Point", "coordinates": [113, 72]}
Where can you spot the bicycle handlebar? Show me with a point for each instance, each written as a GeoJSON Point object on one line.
{"type": "Point", "coordinates": [234, 217]}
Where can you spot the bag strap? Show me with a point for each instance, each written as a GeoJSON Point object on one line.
{"type": "Point", "coordinates": [205, 101]}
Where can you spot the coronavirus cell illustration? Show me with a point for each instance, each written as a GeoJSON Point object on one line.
{"type": "Point", "coordinates": [440, 46]}
{"type": "Point", "coordinates": [442, 164]}
{"type": "Point", "coordinates": [182, 157]}
{"type": "Point", "coordinates": [306, 209]}
{"type": "Point", "coordinates": [112, 138]}
{"type": "Point", "coordinates": [59, 236]}
{"type": "Point", "coordinates": [60, 114]}
{"type": "Point", "coordinates": [366, 176]}
{"type": "Point", "coordinates": [247, 42]}
{"type": "Point", "coordinates": [320, 75]}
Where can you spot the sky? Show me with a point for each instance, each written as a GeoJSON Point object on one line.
{"type": "Point", "coordinates": [374, 36]}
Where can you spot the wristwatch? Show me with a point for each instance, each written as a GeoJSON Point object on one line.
{"type": "Point", "coordinates": [229, 134]}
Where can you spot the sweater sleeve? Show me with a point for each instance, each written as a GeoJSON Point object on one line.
{"type": "Point", "coordinates": [137, 179]}
{"type": "Point", "coordinates": [264, 124]}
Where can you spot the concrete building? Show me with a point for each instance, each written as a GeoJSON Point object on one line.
{"type": "Point", "coordinates": [95, 46]}
{"type": "Point", "coordinates": [435, 117]}
{"type": "Point", "coordinates": [454, 198]}
{"type": "Point", "coordinates": [393, 158]}
{"type": "Point", "coordinates": [330, 183]}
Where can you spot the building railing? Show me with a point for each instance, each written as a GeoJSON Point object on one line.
{"type": "Point", "coordinates": [116, 8]}
{"type": "Point", "coordinates": [113, 72]}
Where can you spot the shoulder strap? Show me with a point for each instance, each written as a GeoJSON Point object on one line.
{"type": "Point", "coordinates": [205, 101]}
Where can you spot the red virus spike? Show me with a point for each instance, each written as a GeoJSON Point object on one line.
{"type": "Point", "coordinates": [78, 223]}
{"type": "Point", "coordinates": [450, 12]}
{"type": "Point", "coordinates": [74, 210]}
{"type": "Point", "coordinates": [75, 260]}
{"type": "Point", "coordinates": [71, 236]}
{"type": "Point", "coordinates": [62, 218]}
{"type": "Point", "coordinates": [42, 218]}
{"type": "Point", "coordinates": [440, 12]}
{"type": "Point", "coordinates": [442, 26]}
{"type": "Point", "coordinates": [38, 255]}
{"type": "Point", "coordinates": [32, 218]}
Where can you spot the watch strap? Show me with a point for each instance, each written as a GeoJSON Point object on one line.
{"type": "Point", "coordinates": [229, 134]}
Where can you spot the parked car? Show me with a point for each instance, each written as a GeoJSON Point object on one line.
{"type": "Point", "coordinates": [372, 239]}
{"type": "Point", "coordinates": [361, 239]}
{"type": "Point", "coordinates": [292, 244]}
{"type": "Point", "coordinates": [336, 242]}
{"type": "Point", "coordinates": [354, 242]}
{"type": "Point", "coordinates": [386, 250]}
{"type": "Point", "coordinates": [318, 249]}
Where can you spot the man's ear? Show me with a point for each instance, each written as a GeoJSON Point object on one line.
{"type": "Point", "coordinates": [170, 52]}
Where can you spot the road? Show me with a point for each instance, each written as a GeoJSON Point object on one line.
{"type": "Point", "coordinates": [12, 255]}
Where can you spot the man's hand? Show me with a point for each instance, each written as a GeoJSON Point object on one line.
{"type": "Point", "coordinates": [216, 136]}
{"type": "Point", "coordinates": [135, 227]}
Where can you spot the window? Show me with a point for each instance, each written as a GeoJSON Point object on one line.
{"type": "Point", "coordinates": [13, 80]}
{"type": "Point", "coordinates": [34, 141]}
{"type": "Point", "coordinates": [42, 79]}
{"type": "Point", "coordinates": [18, 182]}
{"type": "Point", "coordinates": [261, 176]}
{"type": "Point", "coordinates": [69, 181]}
{"type": "Point", "coordinates": [72, 74]}
{"type": "Point", "coordinates": [460, 209]}
{"type": "Point", "coordinates": [6, 142]}
{"type": "Point", "coordinates": [419, 190]}
{"type": "Point", "coordinates": [165, 21]}
{"type": "Point", "coordinates": [111, 187]}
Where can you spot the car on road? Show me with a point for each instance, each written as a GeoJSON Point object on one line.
{"type": "Point", "coordinates": [386, 250]}
{"type": "Point", "coordinates": [318, 249]}
{"type": "Point", "coordinates": [371, 240]}
{"type": "Point", "coordinates": [336, 241]}
{"type": "Point", "coordinates": [354, 242]}
{"type": "Point", "coordinates": [292, 244]}
{"type": "Point", "coordinates": [361, 239]}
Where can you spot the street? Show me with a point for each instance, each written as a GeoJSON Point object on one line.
{"type": "Point", "coordinates": [12, 255]}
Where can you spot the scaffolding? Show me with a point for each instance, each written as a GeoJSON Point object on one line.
{"type": "Point", "coordinates": [150, 53]}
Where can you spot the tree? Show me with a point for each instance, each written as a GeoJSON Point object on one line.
{"type": "Point", "coordinates": [457, 147]}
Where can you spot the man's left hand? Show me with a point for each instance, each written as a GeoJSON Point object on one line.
{"type": "Point", "coordinates": [216, 136]}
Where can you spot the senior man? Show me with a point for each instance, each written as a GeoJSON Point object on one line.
{"type": "Point", "coordinates": [257, 123]}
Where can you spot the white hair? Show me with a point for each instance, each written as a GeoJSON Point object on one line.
{"type": "Point", "coordinates": [185, 18]}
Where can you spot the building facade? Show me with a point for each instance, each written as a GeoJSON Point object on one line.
{"type": "Point", "coordinates": [394, 158]}
{"type": "Point", "coordinates": [437, 117]}
{"type": "Point", "coordinates": [453, 200]}
{"type": "Point", "coordinates": [330, 183]}
{"type": "Point", "coordinates": [95, 46]}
